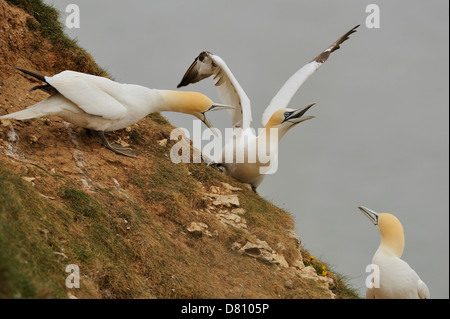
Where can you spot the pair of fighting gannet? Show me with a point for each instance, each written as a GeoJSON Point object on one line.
{"type": "Point", "coordinates": [276, 116]}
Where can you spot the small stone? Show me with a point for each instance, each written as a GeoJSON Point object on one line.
{"type": "Point", "coordinates": [198, 229]}
{"type": "Point", "coordinates": [122, 143]}
{"type": "Point", "coordinates": [259, 249]}
{"type": "Point", "coordinates": [225, 200]}
{"type": "Point", "coordinates": [29, 179]}
{"type": "Point", "coordinates": [294, 236]}
{"type": "Point", "coordinates": [288, 284]}
{"type": "Point", "coordinates": [214, 190]}
{"type": "Point", "coordinates": [5, 122]}
{"type": "Point", "coordinates": [228, 187]}
{"type": "Point", "coordinates": [298, 264]}
{"type": "Point", "coordinates": [163, 142]}
{"type": "Point", "coordinates": [34, 138]}
{"type": "Point", "coordinates": [238, 211]}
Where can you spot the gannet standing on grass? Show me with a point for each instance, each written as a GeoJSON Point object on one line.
{"type": "Point", "coordinates": [397, 280]}
{"type": "Point", "coordinates": [102, 105]}
{"type": "Point", "coordinates": [276, 115]}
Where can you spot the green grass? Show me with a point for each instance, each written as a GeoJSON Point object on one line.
{"type": "Point", "coordinates": [28, 266]}
{"type": "Point", "coordinates": [34, 233]}
{"type": "Point", "coordinates": [80, 202]}
{"type": "Point", "coordinates": [48, 24]}
{"type": "Point", "coordinates": [158, 118]}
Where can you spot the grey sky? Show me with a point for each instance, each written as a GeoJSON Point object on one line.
{"type": "Point", "coordinates": [380, 137]}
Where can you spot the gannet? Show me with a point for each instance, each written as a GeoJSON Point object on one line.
{"type": "Point", "coordinates": [397, 280]}
{"type": "Point", "coordinates": [102, 105]}
{"type": "Point", "coordinates": [277, 115]}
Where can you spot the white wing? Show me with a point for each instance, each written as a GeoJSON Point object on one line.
{"type": "Point", "coordinates": [228, 88]}
{"type": "Point", "coordinates": [285, 94]}
{"type": "Point", "coordinates": [93, 94]}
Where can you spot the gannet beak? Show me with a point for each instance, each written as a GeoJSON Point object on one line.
{"type": "Point", "coordinates": [205, 120]}
{"type": "Point", "coordinates": [216, 107]}
{"type": "Point", "coordinates": [296, 116]}
{"type": "Point", "coordinates": [370, 214]}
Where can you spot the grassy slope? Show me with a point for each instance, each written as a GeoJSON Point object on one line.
{"type": "Point", "coordinates": [134, 246]}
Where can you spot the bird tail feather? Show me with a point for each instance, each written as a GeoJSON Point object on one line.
{"type": "Point", "coordinates": [50, 106]}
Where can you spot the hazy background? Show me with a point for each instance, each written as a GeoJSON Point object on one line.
{"type": "Point", "coordinates": [381, 136]}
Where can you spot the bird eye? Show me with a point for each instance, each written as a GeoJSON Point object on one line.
{"type": "Point", "coordinates": [286, 114]}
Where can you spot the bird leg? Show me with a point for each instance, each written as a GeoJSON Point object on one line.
{"type": "Point", "coordinates": [211, 163]}
{"type": "Point", "coordinates": [115, 147]}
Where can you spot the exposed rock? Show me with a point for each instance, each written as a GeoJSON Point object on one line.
{"type": "Point", "coordinates": [163, 142]}
{"type": "Point", "coordinates": [225, 200]}
{"type": "Point", "coordinates": [298, 263]}
{"type": "Point", "coordinates": [261, 251]}
{"type": "Point", "coordinates": [5, 122]}
{"type": "Point", "coordinates": [122, 143]}
{"type": "Point", "coordinates": [230, 188]}
{"type": "Point", "coordinates": [234, 220]}
{"type": "Point", "coordinates": [29, 179]}
{"type": "Point", "coordinates": [294, 235]}
{"type": "Point", "coordinates": [198, 229]}
{"type": "Point", "coordinates": [214, 190]}
{"type": "Point", "coordinates": [281, 246]}
{"type": "Point", "coordinates": [325, 281]}
{"type": "Point", "coordinates": [238, 211]}
{"type": "Point", "coordinates": [34, 138]}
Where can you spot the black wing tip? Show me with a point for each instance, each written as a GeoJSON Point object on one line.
{"type": "Point", "coordinates": [323, 56]}
{"type": "Point", "coordinates": [38, 76]}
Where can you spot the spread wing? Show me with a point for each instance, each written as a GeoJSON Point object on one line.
{"type": "Point", "coordinates": [93, 94]}
{"type": "Point", "coordinates": [285, 94]}
{"type": "Point", "coordinates": [228, 88]}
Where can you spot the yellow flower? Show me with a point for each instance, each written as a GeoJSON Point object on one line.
{"type": "Point", "coordinates": [324, 267]}
{"type": "Point", "coordinates": [312, 257]}
{"type": "Point", "coordinates": [324, 273]}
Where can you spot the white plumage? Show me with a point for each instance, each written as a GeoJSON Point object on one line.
{"type": "Point", "coordinates": [397, 280]}
{"type": "Point", "coordinates": [101, 105]}
{"type": "Point", "coordinates": [276, 115]}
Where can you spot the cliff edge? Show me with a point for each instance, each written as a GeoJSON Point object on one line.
{"type": "Point", "coordinates": [134, 228]}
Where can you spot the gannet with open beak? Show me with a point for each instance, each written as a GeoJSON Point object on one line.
{"type": "Point", "coordinates": [276, 115]}
{"type": "Point", "coordinates": [397, 280]}
{"type": "Point", "coordinates": [102, 105]}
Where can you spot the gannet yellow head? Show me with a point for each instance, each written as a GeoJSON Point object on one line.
{"type": "Point", "coordinates": [391, 230]}
{"type": "Point", "coordinates": [196, 104]}
{"type": "Point", "coordinates": [284, 119]}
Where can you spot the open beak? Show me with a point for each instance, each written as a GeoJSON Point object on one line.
{"type": "Point", "coordinates": [217, 107]}
{"type": "Point", "coordinates": [296, 116]}
{"type": "Point", "coordinates": [370, 214]}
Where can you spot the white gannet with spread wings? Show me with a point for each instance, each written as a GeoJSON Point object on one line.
{"type": "Point", "coordinates": [276, 116]}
